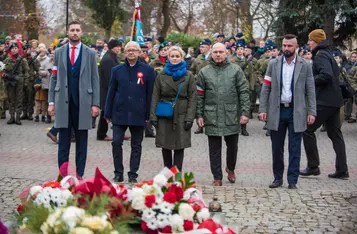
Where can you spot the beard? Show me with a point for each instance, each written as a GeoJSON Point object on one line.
{"type": "Point", "coordinates": [288, 54]}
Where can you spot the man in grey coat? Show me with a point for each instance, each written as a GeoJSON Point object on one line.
{"type": "Point", "coordinates": [288, 87]}
{"type": "Point", "coordinates": [74, 95]}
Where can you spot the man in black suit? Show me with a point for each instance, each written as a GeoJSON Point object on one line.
{"type": "Point", "coordinates": [108, 61]}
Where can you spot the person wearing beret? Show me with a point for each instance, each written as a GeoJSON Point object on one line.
{"type": "Point", "coordinates": [150, 51]}
{"type": "Point", "coordinates": [160, 61]}
{"type": "Point", "coordinates": [307, 55]}
{"type": "Point", "coordinates": [220, 38]}
{"type": "Point", "coordinates": [329, 100]}
{"type": "Point", "coordinates": [15, 80]}
{"type": "Point", "coordinates": [174, 133]}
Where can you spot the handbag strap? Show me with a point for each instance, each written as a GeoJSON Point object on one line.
{"type": "Point", "coordinates": [177, 95]}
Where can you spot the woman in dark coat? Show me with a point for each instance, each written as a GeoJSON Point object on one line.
{"type": "Point", "coordinates": [174, 133]}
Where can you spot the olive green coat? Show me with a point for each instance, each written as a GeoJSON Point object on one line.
{"type": "Point", "coordinates": [152, 55]}
{"type": "Point", "coordinates": [261, 68]}
{"type": "Point", "coordinates": [170, 133]}
{"type": "Point", "coordinates": [223, 99]}
{"type": "Point", "coordinates": [34, 68]}
{"type": "Point", "coordinates": [199, 63]}
{"type": "Point", "coordinates": [158, 65]}
{"type": "Point", "coordinates": [249, 69]}
{"type": "Point", "coordinates": [23, 70]}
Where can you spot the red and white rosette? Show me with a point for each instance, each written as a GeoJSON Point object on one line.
{"type": "Point", "coordinates": [140, 76]}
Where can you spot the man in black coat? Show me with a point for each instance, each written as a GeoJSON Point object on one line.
{"type": "Point", "coordinates": [329, 100]}
{"type": "Point", "coordinates": [108, 61]}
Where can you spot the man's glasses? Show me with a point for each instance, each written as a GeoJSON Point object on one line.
{"type": "Point", "coordinates": [131, 51]}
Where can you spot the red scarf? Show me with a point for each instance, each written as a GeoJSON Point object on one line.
{"type": "Point", "coordinates": [20, 47]}
{"type": "Point", "coordinates": [12, 55]}
{"type": "Point", "coordinates": [162, 59]}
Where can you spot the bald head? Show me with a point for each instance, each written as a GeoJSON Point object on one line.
{"type": "Point", "coordinates": [219, 52]}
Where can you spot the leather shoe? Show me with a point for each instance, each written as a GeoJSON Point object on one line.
{"type": "Point", "coordinates": [118, 179]}
{"type": "Point", "coordinates": [339, 175]}
{"type": "Point", "coordinates": [292, 186]}
{"type": "Point", "coordinates": [310, 171]}
{"type": "Point", "coordinates": [351, 121]}
{"type": "Point", "coordinates": [52, 137]}
{"type": "Point", "coordinates": [267, 133]}
{"type": "Point", "coordinates": [276, 184]}
{"type": "Point", "coordinates": [107, 138]}
{"type": "Point", "coordinates": [11, 120]}
{"type": "Point", "coordinates": [231, 176]}
{"type": "Point", "coordinates": [133, 180]}
{"type": "Point", "coordinates": [217, 183]}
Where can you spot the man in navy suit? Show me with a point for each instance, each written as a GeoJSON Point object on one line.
{"type": "Point", "coordinates": [128, 106]}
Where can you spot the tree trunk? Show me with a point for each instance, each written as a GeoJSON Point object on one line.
{"type": "Point", "coordinates": [166, 14]}
{"type": "Point", "coordinates": [329, 25]}
{"type": "Point", "coordinates": [108, 32]}
{"type": "Point", "coordinates": [32, 22]}
{"type": "Point", "coordinates": [248, 19]}
{"type": "Point", "coordinates": [146, 16]}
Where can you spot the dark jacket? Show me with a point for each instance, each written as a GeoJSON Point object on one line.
{"type": "Point", "coordinates": [188, 61]}
{"type": "Point", "coordinates": [326, 74]}
{"type": "Point", "coordinates": [108, 61]}
{"type": "Point", "coordinates": [128, 103]}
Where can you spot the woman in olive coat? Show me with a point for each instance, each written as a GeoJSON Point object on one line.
{"type": "Point", "coordinates": [174, 133]}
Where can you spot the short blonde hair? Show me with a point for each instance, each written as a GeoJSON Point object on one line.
{"type": "Point", "coordinates": [175, 48]}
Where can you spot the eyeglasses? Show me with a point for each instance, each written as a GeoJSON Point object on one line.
{"type": "Point", "coordinates": [131, 51]}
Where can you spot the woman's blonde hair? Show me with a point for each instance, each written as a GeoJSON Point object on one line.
{"type": "Point", "coordinates": [176, 48]}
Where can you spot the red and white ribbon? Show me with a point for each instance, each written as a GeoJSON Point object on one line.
{"type": "Point", "coordinates": [140, 76]}
{"type": "Point", "coordinates": [54, 70]}
{"type": "Point", "coordinates": [267, 80]}
{"type": "Point", "coordinates": [200, 90]}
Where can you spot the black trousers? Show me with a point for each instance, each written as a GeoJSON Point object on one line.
{"type": "Point", "coordinates": [137, 135]}
{"type": "Point", "coordinates": [331, 117]}
{"type": "Point", "coordinates": [102, 127]}
{"type": "Point", "coordinates": [178, 158]}
{"type": "Point", "coordinates": [215, 154]}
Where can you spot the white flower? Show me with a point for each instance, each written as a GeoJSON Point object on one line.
{"type": "Point", "coordinates": [44, 228]}
{"type": "Point", "coordinates": [160, 180]}
{"type": "Point", "coordinates": [176, 222]}
{"type": "Point", "coordinates": [166, 207]}
{"type": "Point", "coordinates": [54, 217]}
{"type": "Point", "coordinates": [137, 192]}
{"type": "Point", "coordinates": [81, 230]}
{"type": "Point", "coordinates": [162, 220]}
{"type": "Point", "coordinates": [152, 224]}
{"type": "Point", "coordinates": [56, 195]}
{"type": "Point", "coordinates": [66, 195]}
{"type": "Point", "coordinates": [203, 214]}
{"type": "Point", "coordinates": [192, 193]}
{"type": "Point", "coordinates": [47, 191]}
{"type": "Point", "coordinates": [186, 211]}
{"type": "Point", "coordinates": [148, 214]}
{"type": "Point", "coordinates": [72, 215]}
{"type": "Point", "coordinates": [95, 223]}
{"type": "Point", "coordinates": [138, 203]}
{"type": "Point", "coordinates": [35, 189]}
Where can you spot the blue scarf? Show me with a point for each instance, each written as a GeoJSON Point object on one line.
{"type": "Point", "coordinates": [176, 71]}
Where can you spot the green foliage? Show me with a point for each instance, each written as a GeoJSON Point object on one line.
{"type": "Point", "coordinates": [36, 215]}
{"type": "Point", "coordinates": [184, 40]}
{"type": "Point", "coordinates": [61, 35]}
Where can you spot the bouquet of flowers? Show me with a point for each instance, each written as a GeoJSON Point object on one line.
{"type": "Point", "coordinates": [2, 66]}
{"type": "Point", "coordinates": [169, 203]}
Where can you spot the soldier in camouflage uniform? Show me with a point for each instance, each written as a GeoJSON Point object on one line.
{"type": "Point", "coordinates": [251, 78]}
{"type": "Point", "coordinates": [29, 92]}
{"type": "Point", "coordinates": [159, 63]}
{"type": "Point", "coordinates": [150, 51]}
{"type": "Point", "coordinates": [15, 80]}
{"type": "Point", "coordinates": [3, 95]}
{"type": "Point", "coordinates": [200, 62]}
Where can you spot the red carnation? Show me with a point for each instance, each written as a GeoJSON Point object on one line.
{"type": "Point", "coordinates": [144, 226]}
{"type": "Point", "coordinates": [20, 209]}
{"type": "Point", "coordinates": [170, 197]}
{"type": "Point", "coordinates": [166, 229]}
{"type": "Point", "coordinates": [178, 191]}
{"type": "Point", "coordinates": [150, 200]}
{"type": "Point", "coordinates": [196, 207]}
{"type": "Point", "coordinates": [188, 225]}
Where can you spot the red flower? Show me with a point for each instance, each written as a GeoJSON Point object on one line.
{"type": "Point", "coordinates": [188, 225]}
{"type": "Point", "coordinates": [196, 207]}
{"type": "Point", "coordinates": [178, 191]}
{"type": "Point", "coordinates": [166, 229]}
{"type": "Point", "coordinates": [170, 197]}
{"type": "Point", "coordinates": [144, 226]}
{"type": "Point", "coordinates": [150, 200]}
{"type": "Point", "coordinates": [52, 184]}
{"type": "Point", "coordinates": [20, 209]}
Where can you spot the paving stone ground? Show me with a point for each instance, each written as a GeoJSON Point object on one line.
{"type": "Point", "coordinates": [320, 205]}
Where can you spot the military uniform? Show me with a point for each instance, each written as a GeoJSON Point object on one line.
{"type": "Point", "coordinates": [29, 92]}
{"type": "Point", "coordinates": [158, 65]}
{"type": "Point", "coordinates": [121, 58]}
{"type": "Point", "coordinates": [3, 94]}
{"type": "Point", "coordinates": [200, 62]}
{"type": "Point", "coordinates": [152, 55]}
{"type": "Point", "coordinates": [15, 88]}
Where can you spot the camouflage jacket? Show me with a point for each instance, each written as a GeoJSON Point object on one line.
{"type": "Point", "coordinates": [261, 68]}
{"type": "Point", "coordinates": [34, 66]}
{"type": "Point", "coordinates": [199, 63]}
{"type": "Point", "coordinates": [158, 65]}
{"type": "Point", "coordinates": [22, 71]}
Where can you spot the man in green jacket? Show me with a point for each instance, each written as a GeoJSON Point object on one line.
{"type": "Point", "coordinates": [222, 105]}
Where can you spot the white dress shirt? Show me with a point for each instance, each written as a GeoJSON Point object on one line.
{"type": "Point", "coordinates": [288, 71]}
{"type": "Point", "coordinates": [76, 52]}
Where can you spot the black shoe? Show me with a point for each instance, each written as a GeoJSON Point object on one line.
{"type": "Point", "coordinates": [199, 131]}
{"type": "Point", "coordinates": [37, 118]}
{"type": "Point", "coordinates": [133, 180]}
{"type": "Point", "coordinates": [43, 119]}
{"type": "Point", "coordinates": [49, 119]}
{"type": "Point", "coordinates": [251, 115]}
{"type": "Point", "coordinates": [24, 116]}
{"type": "Point", "coordinates": [276, 184]}
{"type": "Point", "coordinates": [267, 133]}
{"type": "Point", "coordinates": [118, 179]}
{"type": "Point", "coordinates": [351, 121]}
{"type": "Point", "coordinates": [11, 120]}
{"type": "Point", "coordinates": [265, 127]}
{"type": "Point", "coordinates": [292, 186]}
{"type": "Point", "coordinates": [244, 130]}
{"type": "Point", "coordinates": [18, 121]}
{"type": "Point", "coordinates": [339, 175]}
{"type": "Point", "coordinates": [323, 129]}
{"type": "Point", "coordinates": [310, 171]}
{"type": "Point", "coordinates": [30, 118]}
{"type": "Point", "coordinates": [150, 135]}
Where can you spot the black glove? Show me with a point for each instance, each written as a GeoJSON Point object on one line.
{"type": "Point", "coordinates": [154, 123]}
{"type": "Point", "coordinates": [187, 125]}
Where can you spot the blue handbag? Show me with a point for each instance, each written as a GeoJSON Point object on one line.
{"type": "Point", "coordinates": [166, 109]}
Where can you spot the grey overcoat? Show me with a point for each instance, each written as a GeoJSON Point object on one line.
{"type": "Point", "coordinates": [304, 94]}
{"type": "Point", "coordinates": [88, 88]}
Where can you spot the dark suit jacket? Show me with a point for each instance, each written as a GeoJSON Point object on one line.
{"type": "Point", "coordinates": [108, 61]}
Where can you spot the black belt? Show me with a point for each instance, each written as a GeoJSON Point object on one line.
{"type": "Point", "coordinates": [286, 105]}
